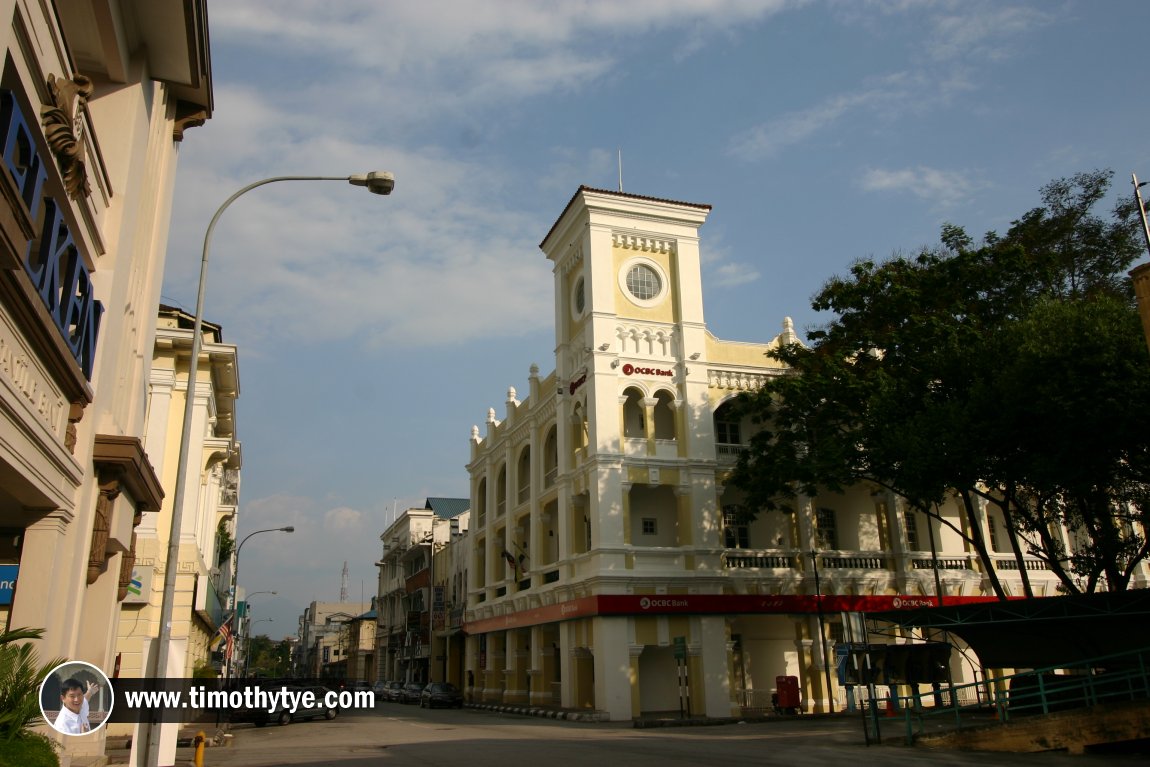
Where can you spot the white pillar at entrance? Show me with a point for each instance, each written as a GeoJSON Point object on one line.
{"type": "Point", "coordinates": [612, 668]}
{"type": "Point", "coordinates": [713, 656]}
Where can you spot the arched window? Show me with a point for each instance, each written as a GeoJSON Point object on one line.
{"type": "Point", "coordinates": [523, 476]}
{"type": "Point", "coordinates": [578, 427]}
{"type": "Point", "coordinates": [481, 502]}
{"type": "Point", "coordinates": [634, 422]}
{"type": "Point", "coordinates": [501, 492]}
{"type": "Point", "coordinates": [551, 457]}
{"type": "Point", "coordinates": [728, 433]}
{"type": "Point", "coordinates": [664, 415]}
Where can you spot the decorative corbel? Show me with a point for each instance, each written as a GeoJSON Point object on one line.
{"type": "Point", "coordinates": [188, 115]}
{"type": "Point", "coordinates": [101, 525]}
{"type": "Point", "coordinates": [128, 561]}
{"type": "Point", "coordinates": [64, 130]}
{"type": "Point", "coordinates": [75, 415]}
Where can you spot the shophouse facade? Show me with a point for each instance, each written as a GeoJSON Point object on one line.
{"type": "Point", "coordinates": [324, 639]}
{"type": "Point", "coordinates": [415, 639]}
{"type": "Point", "coordinates": [609, 568]}
{"type": "Point", "coordinates": [211, 501]}
{"type": "Point", "coordinates": [94, 100]}
{"type": "Point", "coordinates": [361, 642]}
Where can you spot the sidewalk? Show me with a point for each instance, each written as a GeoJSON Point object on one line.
{"type": "Point", "coordinates": [118, 750]}
{"type": "Point", "coordinates": [648, 719]}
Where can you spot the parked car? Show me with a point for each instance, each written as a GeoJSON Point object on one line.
{"type": "Point", "coordinates": [441, 694]}
{"type": "Point", "coordinates": [393, 692]}
{"type": "Point", "coordinates": [281, 716]}
{"type": "Point", "coordinates": [411, 692]}
{"type": "Point", "coordinates": [358, 684]}
{"type": "Point", "coordinates": [380, 690]}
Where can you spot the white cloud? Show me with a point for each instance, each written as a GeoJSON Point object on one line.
{"type": "Point", "coordinates": [963, 37]}
{"type": "Point", "coordinates": [768, 139]}
{"type": "Point", "coordinates": [944, 188]}
{"type": "Point", "coordinates": [731, 274]}
{"type": "Point", "coordinates": [980, 32]}
{"type": "Point", "coordinates": [425, 56]}
{"type": "Point", "coordinates": [343, 521]}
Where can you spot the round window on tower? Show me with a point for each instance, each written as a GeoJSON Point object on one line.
{"type": "Point", "coordinates": [580, 297]}
{"type": "Point", "coordinates": [643, 281]}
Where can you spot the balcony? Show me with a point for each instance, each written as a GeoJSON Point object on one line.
{"type": "Point", "coordinates": [943, 563]}
{"type": "Point", "coordinates": [729, 454]}
{"type": "Point", "coordinates": [760, 560]}
{"type": "Point", "coordinates": [1032, 565]}
{"type": "Point", "coordinates": [852, 562]}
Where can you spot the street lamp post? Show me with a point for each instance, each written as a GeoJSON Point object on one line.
{"type": "Point", "coordinates": [376, 182]}
{"type": "Point", "coordinates": [234, 617]}
{"type": "Point", "coordinates": [822, 632]}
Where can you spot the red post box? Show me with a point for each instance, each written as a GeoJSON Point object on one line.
{"type": "Point", "coordinates": [787, 694]}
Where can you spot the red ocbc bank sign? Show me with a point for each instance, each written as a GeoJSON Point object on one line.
{"type": "Point", "coordinates": [631, 370]}
{"type": "Point", "coordinates": [705, 604]}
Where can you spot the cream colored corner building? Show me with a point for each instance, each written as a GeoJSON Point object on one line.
{"type": "Point", "coordinates": [603, 570]}
{"type": "Point", "coordinates": [96, 96]}
{"type": "Point", "coordinates": [202, 595]}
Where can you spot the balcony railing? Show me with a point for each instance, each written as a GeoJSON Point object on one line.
{"type": "Point", "coordinates": [766, 561]}
{"type": "Point", "coordinates": [832, 562]}
{"type": "Point", "coordinates": [1012, 564]}
{"type": "Point", "coordinates": [944, 563]}
{"type": "Point", "coordinates": [729, 453]}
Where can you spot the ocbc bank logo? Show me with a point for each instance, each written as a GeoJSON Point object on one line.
{"type": "Point", "coordinates": [646, 603]}
{"type": "Point", "coordinates": [629, 369]}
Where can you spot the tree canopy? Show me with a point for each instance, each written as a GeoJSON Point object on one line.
{"type": "Point", "coordinates": [1012, 371]}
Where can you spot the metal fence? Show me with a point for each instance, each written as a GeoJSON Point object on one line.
{"type": "Point", "coordinates": [1111, 678]}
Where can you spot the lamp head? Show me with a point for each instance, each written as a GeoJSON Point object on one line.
{"type": "Point", "coordinates": [288, 529]}
{"type": "Point", "coordinates": [377, 182]}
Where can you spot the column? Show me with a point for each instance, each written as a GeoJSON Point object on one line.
{"type": "Point", "coordinates": [42, 597]}
{"type": "Point", "coordinates": [472, 676]}
{"type": "Point", "coordinates": [612, 652]}
{"type": "Point", "coordinates": [649, 422]}
{"type": "Point", "coordinates": [895, 514]}
{"type": "Point", "coordinates": [493, 678]}
{"type": "Point", "coordinates": [518, 656]}
{"type": "Point", "coordinates": [712, 682]}
{"type": "Point", "coordinates": [540, 669]}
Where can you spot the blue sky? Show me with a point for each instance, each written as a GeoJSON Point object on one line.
{"type": "Point", "coordinates": [374, 331]}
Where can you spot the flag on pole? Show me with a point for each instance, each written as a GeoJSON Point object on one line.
{"type": "Point", "coordinates": [229, 637]}
{"type": "Point", "coordinates": [223, 634]}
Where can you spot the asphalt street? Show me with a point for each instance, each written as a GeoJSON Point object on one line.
{"type": "Point", "coordinates": [398, 736]}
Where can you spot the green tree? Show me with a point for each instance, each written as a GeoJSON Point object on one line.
{"type": "Point", "coordinates": [268, 658]}
{"type": "Point", "coordinates": [980, 373]}
{"type": "Point", "coordinates": [20, 676]}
